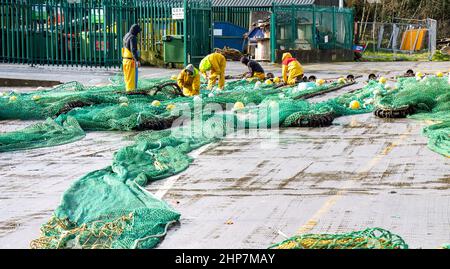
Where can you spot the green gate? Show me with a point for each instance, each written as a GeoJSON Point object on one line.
{"type": "Point", "coordinates": [311, 28]}
{"type": "Point", "coordinates": [90, 32]}
{"type": "Point", "coordinates": [198, 30]}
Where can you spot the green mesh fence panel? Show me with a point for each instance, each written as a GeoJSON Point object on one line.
{"type": "Point", "coordinates": [373, 238]}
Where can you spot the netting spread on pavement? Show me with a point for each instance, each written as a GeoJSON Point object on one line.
{"type": "Point", "coordinates": [109, 208]}
{"type": "Point", "coordinates": [425, 98]}
{"type": "Point", "coordinates": [372, 238]}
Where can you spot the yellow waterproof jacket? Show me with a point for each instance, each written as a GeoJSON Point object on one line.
{"type": "Point", "coordinates": [189, 84]}
{"type": "Point", "coordinates": [216, 63]}
{"type": "Point", "coordinates": [291, 69]}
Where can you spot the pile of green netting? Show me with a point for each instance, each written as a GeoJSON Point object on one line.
{"type": "Point", "coordinates": [429, 98]}
{"type": "Point", "coordinates": [108, 108]}
{"type": "Point", "coordinates": [372, 238]}
{"type": "Point", "coordinates": [109, 208]}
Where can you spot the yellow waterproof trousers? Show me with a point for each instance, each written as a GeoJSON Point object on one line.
{"type": "Point", "coordinates": [259, 75]}
{"type": "Point", "coordinates": [130, 70]}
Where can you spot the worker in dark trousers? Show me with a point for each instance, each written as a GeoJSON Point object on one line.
{"type": "Point", "coordinates": [255, 70]}
{"type": "Point", "coordinates": [130, 57]}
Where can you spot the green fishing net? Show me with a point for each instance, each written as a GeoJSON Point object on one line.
{"type": "Point", "coordinates": [372, 238]}
{"type": "Point", "coordinates": [429, 98]}
{"type": "Point", "coordinates": [44, 134]}
{"type": "Point", "coordinates": [109, 208]}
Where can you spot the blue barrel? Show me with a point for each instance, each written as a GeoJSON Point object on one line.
{"type": "Point", "coordinates": [228, 35]}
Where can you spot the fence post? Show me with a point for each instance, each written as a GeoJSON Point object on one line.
{"type": "Point", "coordinates": [185, 31]}
{"type": "Point", "coordinates": [314, 30]}
{"type": "Point", "coordinates": [273, 34]}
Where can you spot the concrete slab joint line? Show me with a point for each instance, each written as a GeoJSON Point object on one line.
{"type": "Point", "coordinates": [331, 201]}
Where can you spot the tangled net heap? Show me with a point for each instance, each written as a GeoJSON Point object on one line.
{"type": "Point", "coordinates": [372, 238]}
{"type": "Point", "coordinates": [424, 99]}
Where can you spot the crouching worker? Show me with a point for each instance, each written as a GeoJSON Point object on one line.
{"type": "Point", "coordinates": [216, 63]}
{"type": "Point", "coordinates": [130, 57]}
{"type": "Point", "coordinates": [292, 69]}
{"type": "Point", "coordinates": [255, 70]}
{"type": "Point", "coordinates": [189, 81]}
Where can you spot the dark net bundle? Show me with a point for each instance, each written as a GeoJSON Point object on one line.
{"type": "Point", "coordinates": [372, 238]}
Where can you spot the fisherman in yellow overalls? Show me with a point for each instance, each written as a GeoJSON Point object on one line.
{"type": "Point", "coordinates": [189, 81]}
{"type": "Point", "coordinates": [130, 57]}
{"type": "Point", "coordinates": [292, 70]}
{"type": "Point", "coordinates": [216, 63]}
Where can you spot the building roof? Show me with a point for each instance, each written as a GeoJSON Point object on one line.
{"type": "Point", "coordinates": [268, 3]}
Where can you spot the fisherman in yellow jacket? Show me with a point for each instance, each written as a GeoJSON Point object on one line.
{"type": "Point", "coordinates": [130, 57]}
{"type": "Point", "coordinates": [189, 81]}
{"type": "Point", "coordinates": [292, 69]}
{"type": "Point", "coordinates": [216, 63]}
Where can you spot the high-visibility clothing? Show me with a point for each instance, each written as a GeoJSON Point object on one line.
{"type": "Point", "coordinates": [216, 63]}
{"type": "Point", "coordinates": [291, 70]}
{"type": "Point", "coordinates": [189, 83]}
{"type": "Point", "coordinates": [259, 75]}
{"type": "Point", "coordinates": [130, 70]}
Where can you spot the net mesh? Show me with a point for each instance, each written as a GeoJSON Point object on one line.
{"type": "Point", "coordinates": [430, 100]}
{"type": "Point", "coordinates": [372, 238]}
{"type": "Point", "coordinates": [109, 208]}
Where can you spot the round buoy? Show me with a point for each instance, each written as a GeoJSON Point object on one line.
{"type": "Point", "coordinates": [211, 94]}
{"type": "Point", "coordinates": [355, 105]}
{"type": "Point", "coordinates": [342, 81]}
{"type": "Point", "coordinates": [174, 77]}
{"type": "Point", "coordinates": [257, 84]}
{"type": "Point", "coordinates": [439, 74]}
{"type": "Point", "coordinates": [276, 80]}
{"type": "Point", "coordinates": [123, 104]}
{"type": "Point", "coordinates": [123, 99]}
{"type": "Point", "coordinates": [268, 82]}
{"type": "Point", "coordinates": [419, 75]}
{"type": "Point", "coordinates": [13, 98]}
{"type": "Point", "coordinates": [156, 103]}
{"type": "Point", "coordinates": [238, 106]}
{"type": "Point", "coordinates": [36, 97]}
{"type": "Point", "coordinates": [170, 106]}
{"type": "Point", "coordinates": [382, 80]}
{"type": "Point", "coordinates": [320, 82]}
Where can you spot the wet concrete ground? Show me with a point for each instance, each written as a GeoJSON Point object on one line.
{"type": "Point", "coordinates": [361, 172]}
